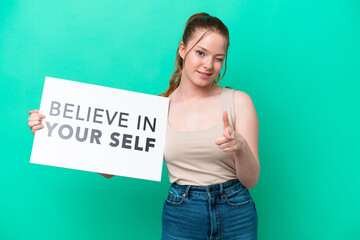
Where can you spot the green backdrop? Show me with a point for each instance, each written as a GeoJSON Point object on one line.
{"type": "Point", "coordinates": [298, 60]}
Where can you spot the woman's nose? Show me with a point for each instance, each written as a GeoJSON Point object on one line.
{"type": "Point", "coordinates": [208, 63]}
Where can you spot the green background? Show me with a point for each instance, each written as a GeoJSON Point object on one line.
{"type": "Point", "coordinates": [298, 60]}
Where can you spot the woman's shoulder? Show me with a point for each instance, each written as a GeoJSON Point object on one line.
{"type": "Point", "coordinates": [242, 100]}
{"type": "Point", "coordinates": [240, 97]}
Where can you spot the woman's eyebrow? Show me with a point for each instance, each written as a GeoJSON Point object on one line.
{"type": "Point", "coordinates": [208, 51]}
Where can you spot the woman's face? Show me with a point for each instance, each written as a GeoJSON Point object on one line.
{"type": "Point", "coordinates": [205, 60]}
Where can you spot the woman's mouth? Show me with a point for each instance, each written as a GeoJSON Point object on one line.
{"type": "Point", "coordinates": [204, 75]}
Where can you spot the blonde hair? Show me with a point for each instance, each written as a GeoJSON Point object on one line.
{"type": "Point", "coordinates": [196, 22]}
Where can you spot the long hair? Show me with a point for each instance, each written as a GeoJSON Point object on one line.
{"type": "Point", "coordinates": [198, 21]}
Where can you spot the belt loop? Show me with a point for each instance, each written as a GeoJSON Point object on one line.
{"type": "Point", "coordinates": [222, 193]}
{"type": "Point", "coordinates": [221, 188]}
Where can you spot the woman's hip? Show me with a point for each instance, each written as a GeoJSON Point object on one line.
{"type": "Point", "coordinates": [219, 210]}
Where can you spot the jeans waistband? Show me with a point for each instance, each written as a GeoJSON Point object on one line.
{"type": "Point", "coordinates": [214, 189]}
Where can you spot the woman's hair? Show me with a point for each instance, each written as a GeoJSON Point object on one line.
{"type": "Point", "coordinates": [198, 21]}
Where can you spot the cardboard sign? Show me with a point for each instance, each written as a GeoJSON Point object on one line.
{"type": "Point", "coordinates": [101, 129]}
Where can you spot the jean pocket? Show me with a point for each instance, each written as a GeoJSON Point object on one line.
{"type": "Point", "coordinates": [238, 198]}
{"type": "Point", "coordinates": [174, 198]}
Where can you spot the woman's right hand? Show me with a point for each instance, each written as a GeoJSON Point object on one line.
{"type": "Point", "coordinates": [35, 120]}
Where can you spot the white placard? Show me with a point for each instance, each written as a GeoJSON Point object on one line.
{"type": "Point", "coordinates": [101, 129]}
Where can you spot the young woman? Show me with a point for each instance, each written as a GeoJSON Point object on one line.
{"type": "Point", "coordinates": [211, 150]}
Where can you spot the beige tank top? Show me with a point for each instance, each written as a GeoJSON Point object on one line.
{"type": "Point", "coordinates": [193, 158]}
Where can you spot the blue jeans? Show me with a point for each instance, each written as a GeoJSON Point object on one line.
{"type": "Point", "coordinates": [220, 211]}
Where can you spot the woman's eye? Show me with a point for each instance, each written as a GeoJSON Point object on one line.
{"type": "Point", "coordinates": [219, 59]}
{"type": "Point", "coordinates": [200, 52]}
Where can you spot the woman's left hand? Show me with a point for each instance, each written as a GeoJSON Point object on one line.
{"type": "Point", "coordinates": [231, 141]}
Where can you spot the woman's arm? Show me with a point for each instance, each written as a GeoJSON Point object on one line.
{"type": "Point", "coordinates": [247, 126]}
{"type": "Point", "coordinates": [242, 139]}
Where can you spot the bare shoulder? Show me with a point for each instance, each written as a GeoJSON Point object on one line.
{"type": "Point", "coordinates": [246, 116]}
{"type": "Point", "coordinates": [242, 100]}
{"type": "Point", "coordinates": [247, 123]}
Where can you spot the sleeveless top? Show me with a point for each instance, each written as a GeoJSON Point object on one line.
{"type": "Point", "coordinates": [193, 157]}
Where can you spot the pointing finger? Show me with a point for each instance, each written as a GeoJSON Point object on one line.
{"type": "Point", "coordinates": [226, 120]}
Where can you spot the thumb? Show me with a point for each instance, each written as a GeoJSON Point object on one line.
{"type": "Point", "coordinates": [228, 133]}
{"type": "Point", "coordinates": [33, 111]}
{"type": "Point", "coordinates": [36, 111]}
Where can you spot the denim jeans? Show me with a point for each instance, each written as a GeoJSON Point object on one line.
{"type": "Point", "coordinates": [220, 211]}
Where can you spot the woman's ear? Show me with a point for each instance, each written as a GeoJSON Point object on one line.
{"type": "Point", "coordinates": [182, 50]}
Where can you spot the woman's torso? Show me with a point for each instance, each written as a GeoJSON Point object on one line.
{"type": "Point", "coordinates": [191, 155]}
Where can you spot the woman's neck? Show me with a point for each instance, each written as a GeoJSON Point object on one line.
{"type": "Point", "coordinates": [188, 91]}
